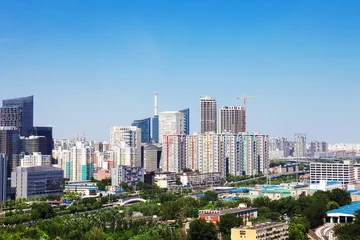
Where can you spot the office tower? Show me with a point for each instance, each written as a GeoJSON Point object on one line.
{"type": "Point", "coordinates": [173, 153]}
{"type": "Point", "coordinates": [170, 123]}
{"type": "Point", "coordinates": [37, 181]}
{"type": "Point", "coordinates": [208, 121]}
{"type": "Point", "coordinates": [47, 133]}
{"type": "Point", "coordinates": [26, 106]}
{"type": "Point", "coordinates": [11, 145]}
{"type": "Point", "coordinates": [232, 119]}
{"type": "Point", "coordinates": [3, 178]}
{"type": "Point", "coordinates": [155, 120]}
{"type": "Point", "coordinates": [130, 175]}
{"type": "Point", "coordinates": [126, 141]}
{"type": "Point", "coordinates": [152, 155]}
{"type": "Point", "coordinates": [300, 150]}
{"type": "Point", "coordinates": [35, 159]}
{"type": "Point", "coordinates": [186, 113]}
{"type": "Point", "coordinates": [10, 117]}
{"type": "Point", "coordinates": [145, 126]}
{"type": "Point", "coordinates": [33, 144]}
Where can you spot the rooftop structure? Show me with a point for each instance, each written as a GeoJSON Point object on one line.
{"type": "Point", "coordinates": [262, 231]}
{"type": "Point", "coordinates": [343, 214]}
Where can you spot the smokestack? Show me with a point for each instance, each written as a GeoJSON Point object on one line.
{"type": "Point", "coordinates": [155, 103]}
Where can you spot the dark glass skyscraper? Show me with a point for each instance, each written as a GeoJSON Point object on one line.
{"type": "Point", "coordinates": [155, 128]}
{"type": "Point", "coordinates": [26, 106]}
{"type": "Point", "coordinates": [145, 126]}
{"type": "Point", "coordinates": [47, 133]}
{"type": "Point", "coordinates": [186, 120]}
{"type": "Point", "coordinates": [11, 146]}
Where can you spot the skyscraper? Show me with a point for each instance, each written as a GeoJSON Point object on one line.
{"type": "Point", "coordinates": [170, 123]}
{"type": "Point", "coordinates": [3, 178]}
{"type": "Point", "coordinates": [208, 115]}
{"type": "Point", "coordinates": [126, 141]}
{"type": "Point", "coordinates": [186, 113]}
{"type": "Point", "coordinates": [232, 119]}
{"type": "Point", "coordinates": [26, 106]}
{"type": "Point", "coordinates": [11, 145]}
{"type": "Point", "coordinates": [10, 117]}
{"type": "Point", "coordinates": [47, 133]}
{"type": "Point", "coordinates": [300, 145]}
{"type": "Point", "coordinates": [145, 126]}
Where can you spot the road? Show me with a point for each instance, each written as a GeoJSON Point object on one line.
{"type": "Point", "coordinates": [325, 232]}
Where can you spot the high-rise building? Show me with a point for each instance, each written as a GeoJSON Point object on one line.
{"type": "Point", "coordinates": [279, 148]}
{"type": "Point", "coordinates": [37, 181]}
{"type": "Point", "coordinates": [170, 123]}
{"type": "Point", "coordinates": [145, 126]}
{"type": "Point", "coordinates": [10, 117]}
{"type": "Point", "coordinates": [3, 178]}
{"type": "Point", "coordinates": [186, 113]}
{"type": "Point", "coordinates": [173, 153]}
{"type": "Point", "coordinates": [155, 128]}
{"type": "Point", "coordinates": [33, 144]}
{"type": "Point", "coordinates": [126, 141]}
{"type": "Point", "coordinates": [47, 133]}
{"type": "Point", "coordinates": [26, 106]}
{"type": "Point", "coordinates": [11, 146]}
{"type": "Point", "coordinates": [208, 120]}
{"type": "Point", "coordinates": [232, 119]}
{"type": "Point", "coordinates": [152, 155]}
{"type": "Point", "coordinates": [300, 150]}
{"type": "Point", "coordinates": [35, 159]}
{"type": "Point", "coordinates": [318, 147]}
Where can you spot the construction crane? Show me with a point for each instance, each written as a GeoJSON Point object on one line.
{"type": "Point", "coordinates": [244, 116]}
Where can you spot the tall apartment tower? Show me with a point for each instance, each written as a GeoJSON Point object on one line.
{"type": "Point", "coordinates": [145, 126]}
{"type": "Point", "coordinates": [300, 145]}
{"type": "Point", "coordinates": [170, 123]}
{"type": "Point", "coordinates": [127, 142]}
{"type": "Point", "coordinates": [186, 120]}
{"type": "Point", "coordinates": [26, 108]}
{"type": "Point", "coordinates": [232, 119]}
{"type": "Point", "coordinates": [208, 121]}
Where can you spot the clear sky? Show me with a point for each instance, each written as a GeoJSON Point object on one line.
{"type": "Point", "coordinates": [95, 64]}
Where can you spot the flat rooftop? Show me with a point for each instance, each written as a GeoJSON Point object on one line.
{"type": "Point", "coordinates": [262, 225]}
{"type": "Point", "coordinates": [226, 211]}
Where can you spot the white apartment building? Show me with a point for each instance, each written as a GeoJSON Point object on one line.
{"type": "Point", "coordinates": [173, 153]}
{"type": "Point", "coordinates": [209, 157]}
{"type": "Point", "coordinates": [340, 172]}
{"type": "Point", "coordinates": [36, 159]}
{"type": "Point", "coordinates": [300, 150]}
{"type": "Point", "coordinates": [126, 142]}
{"type": "Point", "coordinates": [170, 123]}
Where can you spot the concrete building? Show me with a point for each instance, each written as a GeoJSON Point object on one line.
{"type": "Point", "coordinates": [37, 181]}
{"type": "Point", "coordinates": [278, 148]}
{"type": "Point", "coordinates": [171, 123]}
{"type": "Point", "coordinates": [261, 231]}
{"type": "Point", "coordinates": [214, 216]}
{"type": "Point", "coordinates": [318, 147]}
{"type": "Point", "coordinates": [126, 141]}
{"type": "Point", "coordinates": [152, 156]}
{"type": "Point", "coordinates": [300, 150]}
{"type": "Point", "coordinates": [194, 179]}
{"type": "Point", "coordinates": [145, 126]}
{"type": "Point", "coordinates": [128, 174]}
{"type": "Point", "coordinates": [232, 119]}
{"type": "Point", "coordinates": [340, 172]}
{"type": "Point", "coordinates": [173, 153]}
{"type": "Point", "coordinates": [191, 152]}
{"type": "Point", "coordinates": [3, 178]}
{"type": "Point", "coordinates": [35, 159]}
{"type": "Point", "coordinates": [47, 133]}
{"type": "Point", "coordinates": [208, 118]}
{"type": "Point", "coordinates": [86, 188]}
{"type": "Point", "coordinates": [26, 107]}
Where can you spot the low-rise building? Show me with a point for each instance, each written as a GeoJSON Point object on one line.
{"type": "Point", "coordinates": [340, 172]}
{"type": "Point", "coordinates": [84, 187]}
{"type": "Point", "coordinates": [128, 174]}
{"type": "Point", "coordinates": [325, 185]}
{"type": "Point", "coordinates": [36, 159]}
{"type": "Point", "coordinates": [261, 231]}
{"type": "Point", "coordinates": [37, 181]}
{"type": "Point", "coordinates": [194, 179]}
{"type": "Point", "coordinates": [343, 214]}
{"type": "Point", "coordinates": [214, 216]}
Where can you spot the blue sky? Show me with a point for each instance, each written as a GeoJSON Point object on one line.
{"type": "Point", "coordinates": [95, 64]}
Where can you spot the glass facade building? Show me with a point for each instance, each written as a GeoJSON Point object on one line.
{"type": "Point", "coordinates": [186, 120]}
{"type": "Point", "coordinates": [155, 128]}
{"type": "Point", "coordinates": [26, 106]}
{"type": "Point", "coordinates": [145, 126]}
{"type": "Point", "coordinates": [47, 133]}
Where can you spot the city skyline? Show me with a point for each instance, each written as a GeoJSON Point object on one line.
{"type": "Point", "coordinates": [300, 59]}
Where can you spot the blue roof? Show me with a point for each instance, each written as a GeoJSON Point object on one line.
{"type": "Point", "coordinates": [239, 190]}
{"type": "Point", "coordinates": [347, 209]}
{"type": "Point", "coordinates": [200, 195]}
{"type": "Point", "coordinates": [332, 182]}
{"type": "Point", "coordinates": [351, 191]}
{"type": "Point", "coordinates": [270, 186]}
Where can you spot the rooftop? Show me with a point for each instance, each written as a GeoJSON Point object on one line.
{"type": "Point", "coordinates": [262, 225]}
{"type": "Point", "coordinates": [347, 209]}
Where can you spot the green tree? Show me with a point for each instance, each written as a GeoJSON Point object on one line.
{"type": "Point", "coordinates": [340, 196]}
{"type": "Point", "coordinates": [209, 196]}
{"type": "Point", "coordinates": [227, 222]}
{"type": "Point", "coordinates": [95, 233]}
{"type": "Point", "coordinates": [41, 211]}
{"type": "Point", "coordinates": [297, 232]}
{"type": "Point", "coordinates": [201, 230]}
{"type": "Point", "coordinates": [332, 205]}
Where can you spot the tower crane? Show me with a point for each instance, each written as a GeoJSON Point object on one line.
{"type": "Point", "coordinates": [244, 97]}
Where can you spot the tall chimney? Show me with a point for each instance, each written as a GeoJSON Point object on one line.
{"type": "Point", "coordinates": [155, 103]}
